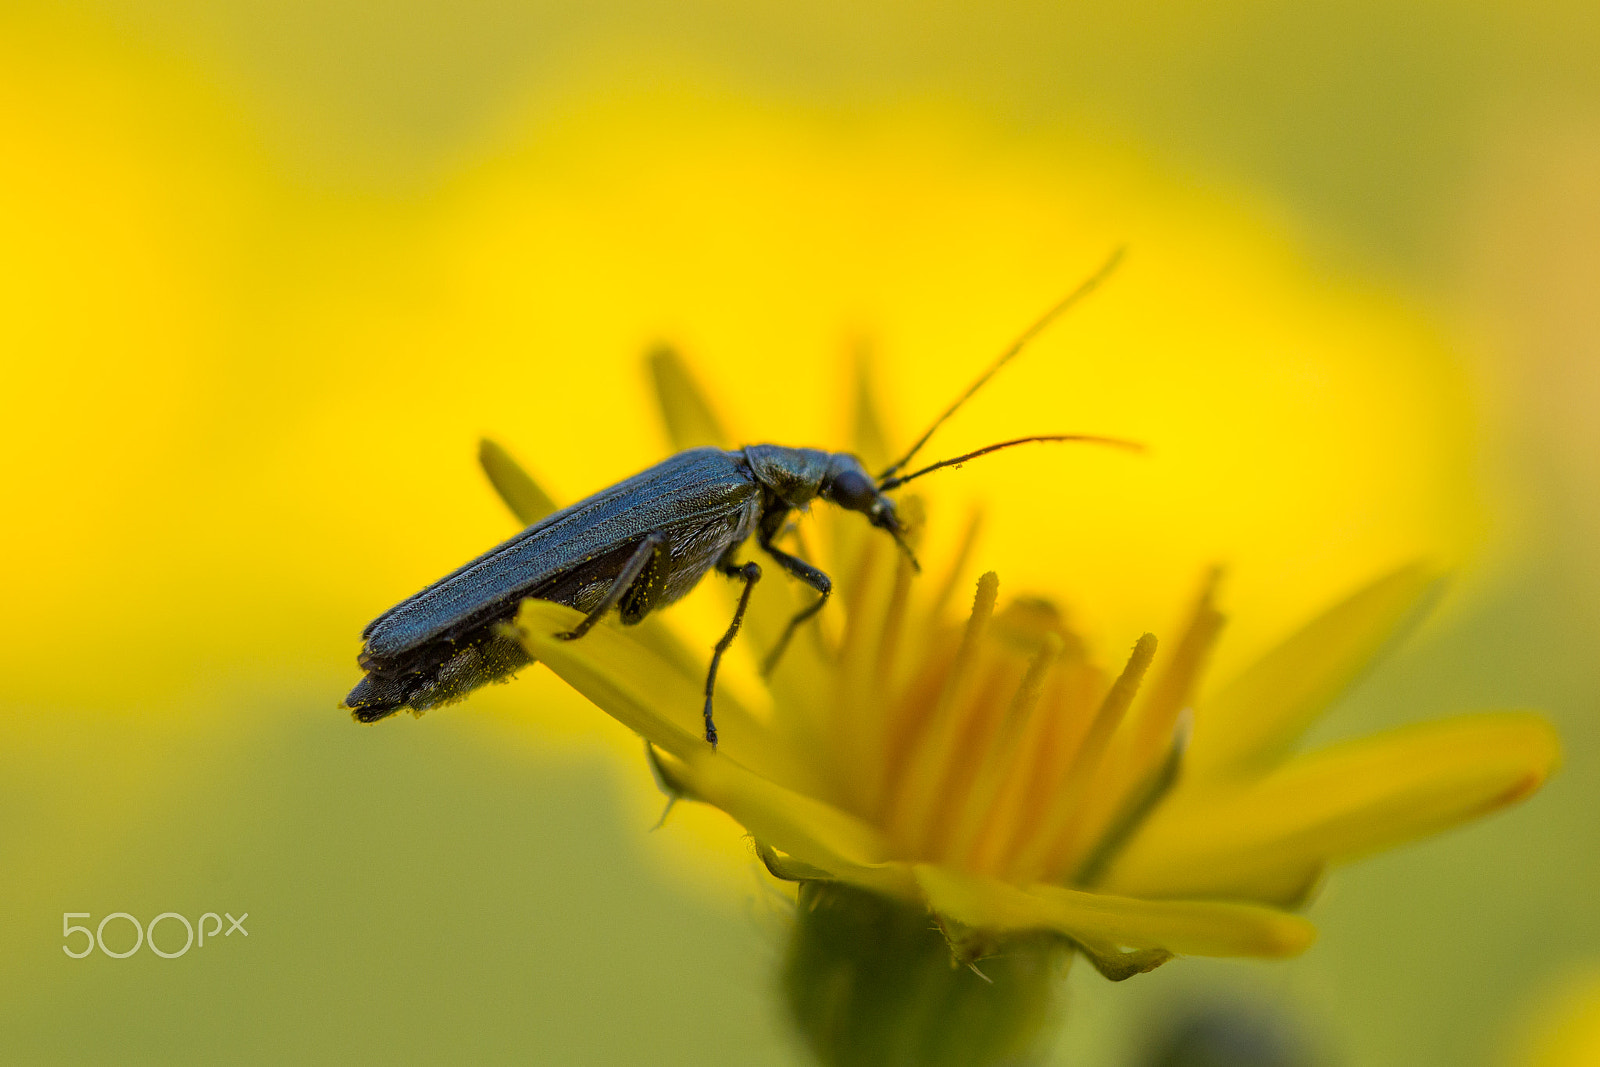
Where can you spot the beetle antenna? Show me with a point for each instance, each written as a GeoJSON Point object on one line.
{"type": "Point", "coordinates": [1088, 286]}
{"type": "Point", "coordinates": [1116, 442]}
{"type": "Point", "coordinates": [906, 548]}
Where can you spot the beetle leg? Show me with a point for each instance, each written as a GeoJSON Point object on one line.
{"type": "Point", "coordinates": [619, 586]}
{"type": "Point", "coordinates": [813, 577]}
{"type": "Point", "coordinates": [751, 574]}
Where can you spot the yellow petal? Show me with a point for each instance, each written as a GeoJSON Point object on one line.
{"type": "Point", "coordinates": [749, 776]}
{"type": "Point", "coordinates": [1253, 721]}
{"type": "Point", "coordinates": [649, 696]}
{"type": "Point", "coordinates": [1567, 1033]}
{"type": "Point", "coordinates": [868, 437]}
{"type": "Point", "coordinates": [1194, 927]}
{"type": "Point", "coordinates": [1268, 839]}
{"type": "Point", "coordinates": [691, 422]}
{"type": "Point", "coordinates": [516, 487]}
{"type": "Point", "coordinates": [659, 638]}
{"type": "Point", "coordinates": [809, 830]}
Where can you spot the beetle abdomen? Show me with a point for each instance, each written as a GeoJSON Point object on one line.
{"type": "Point", "coordinates": [492, 657]}
{"type": "Point", "coordinates": [450, 666]}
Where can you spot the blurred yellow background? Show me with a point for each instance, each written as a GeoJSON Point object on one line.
{"type": "Point", "coordinates": [269, 270]}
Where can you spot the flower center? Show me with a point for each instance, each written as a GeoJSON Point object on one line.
{"type": "Point", "coordinates": [996, 747]}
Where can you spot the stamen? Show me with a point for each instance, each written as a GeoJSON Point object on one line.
{"type": "Point", "coordinates": [853, 722]}
{"type": "Point", "coordinates": [1139, 804]}
{"type": "Point", "coordinates": [1143, 743]}
{"type": "Point", "coordinates": [908, 714]}
{"type": "Point", "coordinates": [947, 588]}
{"type": "Point", "coordinates": [982, 717]}
{"type": "Point", "coordinates": [876, 722]}
{"type": "Point", "coordinates": [1057, 834]}
{"type": "Point", "coordinates": [913, 797]}
{"type": "Point", "coordinates": [863, 625]}
{"type": "Point", "coordinates": [858, 546]}
{"type": "Point", "coordinates": [858, 722]}
{"type": "Point", "coordinates": [1151, 726]}
{"type": "Point", "coordinates": [1058, 729]}
{"type": "Point", "coordinates": [992, 805]}
{"type": "Point", "coordinates": [1027, 696]}
{"type": "Point", "coordinates": [895, 614]}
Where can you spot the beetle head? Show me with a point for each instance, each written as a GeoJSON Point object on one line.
{"type": "Point", "coordinates": [848, 485]}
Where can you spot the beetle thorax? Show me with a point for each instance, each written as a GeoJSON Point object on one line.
{"type": "Point", "coordinates": [795, 475]}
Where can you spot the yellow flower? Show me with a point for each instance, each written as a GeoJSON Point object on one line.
{"type": "Point", "coordinates": [986, 771]}
{"type": "Point", "coordinates": [1566, 1031]}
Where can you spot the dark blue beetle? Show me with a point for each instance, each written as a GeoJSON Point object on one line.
{"type": "Point", "coordinates": [637, 546]}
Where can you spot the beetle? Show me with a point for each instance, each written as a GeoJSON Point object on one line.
{"type": "Point", "coordinates": [641, 545]}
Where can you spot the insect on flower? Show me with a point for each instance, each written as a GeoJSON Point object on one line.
{"type": "Point", "coordinates": [643, 544]}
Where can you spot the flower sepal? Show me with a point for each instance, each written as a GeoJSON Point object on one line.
{"type": "Point", "coordinates": [787, 868]}
{"type": "Point", "coordinates": [875, 980]}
